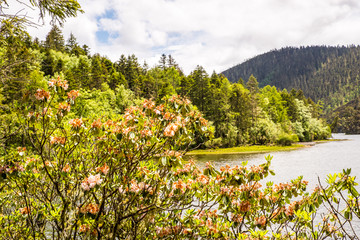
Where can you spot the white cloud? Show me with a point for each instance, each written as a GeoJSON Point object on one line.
{"type": "Point", "coordinates": [216, 34]}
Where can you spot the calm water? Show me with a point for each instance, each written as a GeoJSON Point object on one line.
{"type": "Point", "coordinates": [311, 162]}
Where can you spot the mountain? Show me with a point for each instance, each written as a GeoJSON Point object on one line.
{"type": "Point", "coordinates": [327, 74]}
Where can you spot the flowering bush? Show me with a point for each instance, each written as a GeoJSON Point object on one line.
{"type": "Point", "coordinates": [125, 179]}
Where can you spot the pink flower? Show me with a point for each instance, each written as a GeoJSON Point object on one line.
{"type": "Point", "coordinates": [73, 94]}
{"type": "Point", "coordinates": [91, 182]}
{"type": "Point", "coordinates": [76, 123]}
{"type": "Point", "coordinates": [96, 124]}
{"type": "Point", "coordinates": [85, 186]}
{"type": "Point", "coordinates": [41, 94]}
{"type": "Point", "coordinates": [171, 129]}
{"type": "Point", "coordinates": [104, 169]}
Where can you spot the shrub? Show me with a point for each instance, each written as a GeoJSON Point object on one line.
{"type": "Point", "coordinates": [286, 139]}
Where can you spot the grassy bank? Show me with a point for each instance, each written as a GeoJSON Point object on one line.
{"type": "Point", "coordinates": [246, 149]}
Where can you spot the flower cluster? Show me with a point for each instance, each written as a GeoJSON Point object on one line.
{"type": "Point", "coordinates": [24, 210]}
{"type": "Point", "coordinates": [148, 104]}
{"type": "Point", "coordinates": [260, 220]}
{"type": "Point", "coordinates": [92, 208]}
{"type": "Point", "coordinates": [76, 123]}
{"type": "Point", "coordinates": [202, 179]}
{"type": "Point", "coordinates": [66, 168]}
{"type": "Point", "coordinates": [15, 167]}
{"type": "Point", "coordinates": [171, 153]}
{"type": "Point", "coordinates": [91, 182]}
{"type": "Point", "coordinates": [57, 140]}
{"type": "Point", "coordinates": [137, 187]}
{"type": "Point", "coordinates": [73, 94]}
{"type": "Point", "coordinates": [104, 169]}
{"type": "Point", "coordinates": [41, 94]}
{"type": "Point", "coordinates": [58, 83]}
{"type": "Point", "coordinates": [64, 107]}
{"type": "Point", "coordinates": [171, 129]}
{"type": "Point", "coordinates": [96, 124]}
{"type": "Point", "coordinates": [84, 228]}
{"type": "Point", "coordinates": [21, 150]}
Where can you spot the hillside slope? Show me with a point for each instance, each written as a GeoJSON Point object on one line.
{"type": "Point", "coordinates": [328, 74]}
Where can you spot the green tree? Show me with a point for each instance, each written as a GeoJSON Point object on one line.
{"type": "Point", "coordinates": [200, 89]}
{"type": "Point", "coordinates": [98, 72]}
{"type": "Point", "coordinates": [55, 39]}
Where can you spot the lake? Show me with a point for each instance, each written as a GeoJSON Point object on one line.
{"type": "Point", "coordinates": [310, 162]}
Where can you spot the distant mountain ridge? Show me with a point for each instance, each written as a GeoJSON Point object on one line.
{"type": "Point", "coordinates": [325, 73]}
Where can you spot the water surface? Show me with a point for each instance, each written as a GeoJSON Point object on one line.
{"type": "Point", "coordinates": [310, 162]}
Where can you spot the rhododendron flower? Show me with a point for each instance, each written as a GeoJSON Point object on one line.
{"type": "Point", "coordinates": [94, 180]}
{"type": "Point", "coordinates": [245, 206]}
{"type": "Point", "coordinates": [180, 185]}
{"type": "Point", "coordinates": [96, 124]}
{"type": "Point", "coordinates": [21, 150]}
{"type": "Point", "coordinates": [85, 185]}
{"type": "Point", "coordinates": [58, 82]}
{"type": "Point", "coordinates": [260, 220]}
{"type": "Point", "coordinates": [168, 116]}
{"type": "Point", "coordinates": [46, 111]}
{"type": "Point", "coordinates": [171, 129]}
{"type": "Point", "coordinates": [41, 94]}
{"type": "Point", "coordinates": [57, 140]}
{"type": "Point", "coordinates": [64, 106]}
{"type": "Point", "coordinates": [91, 182]}
{"type": "Point", "coordinates": [76, 123]}
{"type": "Point", "coordinates": [237, 218]}
{"type": "Point", "coordinates": [73, 94]}
{"type": "Point", "coordinates": [84, 228]}
{"type": "Point", "coordinates": [149, 104]}
{"type": "Point", "coordinates": [30, 114]}
{"type": "Point", "coordinates": [290, 210]}
{"type": "Point", "coordinates": [202, 179]}
{"type": "Point", "coordinates": [24, 210]}
{"type": "Point", "coordinates": [92, 208]}
{"type": "Point", "coordinates": [104, 169]}
{"type": "Point", "coordinates": [66, 168]}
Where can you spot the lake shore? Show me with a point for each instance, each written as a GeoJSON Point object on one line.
{"type": "Point", "coordinates": [246, 149]}
{"type": "Point", "coordinates": [258, 148]}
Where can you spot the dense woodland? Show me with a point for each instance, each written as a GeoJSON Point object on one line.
{"type": "Point", "coordinates": [240, 113]}
{"type": "Point", "coordinates": [328, 75]}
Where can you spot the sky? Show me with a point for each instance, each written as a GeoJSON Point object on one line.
{"type": "Point", "coordinates": [215, 34]}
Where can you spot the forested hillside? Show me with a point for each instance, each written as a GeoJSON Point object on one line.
{"type": "Point", "coordinates": [326, 74]}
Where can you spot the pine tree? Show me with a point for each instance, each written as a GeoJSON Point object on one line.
{"type": "Point", "coordinates": [55, 39]}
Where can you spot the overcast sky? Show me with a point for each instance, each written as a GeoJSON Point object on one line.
{"type": "Point", "coordinates": [216, 34]}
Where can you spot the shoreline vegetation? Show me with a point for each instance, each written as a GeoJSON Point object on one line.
{"type": "Point", "coordinates": [258, 148]}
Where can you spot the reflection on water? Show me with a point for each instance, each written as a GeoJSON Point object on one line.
{"type": "Point", "coordinates": [310, 162]}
